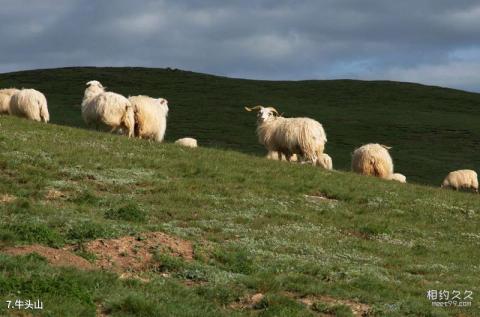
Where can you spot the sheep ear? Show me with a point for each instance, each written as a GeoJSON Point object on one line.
{"type": "Point", "coordinates": [162, 101]}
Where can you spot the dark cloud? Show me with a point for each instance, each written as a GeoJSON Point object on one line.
{"type": "Point", "coordinates": [429, 41]}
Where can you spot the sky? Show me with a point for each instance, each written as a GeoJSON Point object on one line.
{"type": "Point", "coordinates": [434, 42]}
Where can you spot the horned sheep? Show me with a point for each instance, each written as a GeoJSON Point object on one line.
{"type": "Point", "coordinates": [5, 96]}
{"type": "Point", "coordinates": [187, 142]}
{"type": "Point", "coordinates": [373, 160]}
{"type": "Point", "coordinates": [107, 108]}
{"type": "Point", "coordinates": [302, 136]}
{"type": "Point", "coordinates": [30, 104]}
{"type": "Point", "coordinates": [461, 179]}
{"type": "Point", "coordinates": [150, 117]}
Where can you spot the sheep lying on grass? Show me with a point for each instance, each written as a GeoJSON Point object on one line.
{"type": "Point", "coordinates": [187, 142]}
{"type": "Point", "coordinates": [5, 96]}
{"type": "Point", "coordinates": [302, 136]}
{"type": "Point", "coordinates": [30, 104]}
{"type": "Point", "coordinates": [107, 109]}
{"type": "Point", "coordinates": [398, 177]}
{"type": "Point", "coordinates": [461, 179]}
{"type": "Point", "coordinates": [150, 117]}
{"type": "Point", "coordinates": [325, 161]}
{"type": "Point", "coordinates": [372, 160]}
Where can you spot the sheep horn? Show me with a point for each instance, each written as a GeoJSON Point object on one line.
{"type": "Point", "coordinates": [386, 146]}
{"type": "Point", "coordinates": [254, 108]}
{"type": "Point", "coordinates": [275, 111]}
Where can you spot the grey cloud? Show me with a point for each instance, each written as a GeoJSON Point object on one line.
{"type": "Point", "coordinates": [370, 39]}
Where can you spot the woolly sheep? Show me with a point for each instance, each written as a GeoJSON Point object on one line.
{"type": "Point", "coordinates": [107, 109]}
{"type": "Point", "coordinates": [398, 177]}
{"type": "Point", "coordinates": [461, 179]}
{"type": "Point", "coordinates": [325, 161]}
{"type": "Point", "coordinates": [188, 142]}
{"type": "Point", "coordinates": [372, 160]}
{"type": "Point", "coordinates": [30, 104]}
{"type": "Point", "coordinates": [302, 136]}
{"type": "Point", "coordinates": [277, 156]}
{"type": "Point", "coordinates": [150, 117]}
{"type": "Point", "coordinates": [5, 96]}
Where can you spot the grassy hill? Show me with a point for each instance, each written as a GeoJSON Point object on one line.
{"type": "Point", "coordinates": [432, 130]}
{"type": "Point", "coordinates": [246, 236]}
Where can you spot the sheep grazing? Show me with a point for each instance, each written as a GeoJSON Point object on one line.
{"type": "Point", "coordinates": [277, 156]}
{"type": "Point", "coordinates": [461, 179]}
{"type": "Point", "coordinates": [150, 117]}
{"type": "Point", "coordinates": [107, 109]}
{"type": "Point", "coordinates": [373, 160]}
{"type": "Point", "coordinates": [302, 136]}
{"type": "Point", "coordinates": [5, 96]}
{"type": "Point", "coordinates": [187, 142]}
{"type": "Point", "coordinates": [325, 161]}
{"type": "Point", "coordinates": [398, 177]}
{"type": "Point", "coordinates": [30, 104]}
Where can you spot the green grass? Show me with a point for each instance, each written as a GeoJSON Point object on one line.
{"type": "Point", "coordinates": [381, 243]}
{"type": "Point", "coordinates": [432, 130]}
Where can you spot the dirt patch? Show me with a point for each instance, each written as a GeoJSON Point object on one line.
{"type": "Point", "coordinates": [6, 199]}
{"type": "Point", "coordinates": [56, 257]}
{"type": "Point", "coordinates": [319, 198]}
{"type": "Point", "coordinates": [54, 194]}
{"type": "Point", "coordinates": [123, 255]}
{"type": "Point", "coordinates": [135, 253]}
{"type": "Point", "coordinates": [358, 309]}
{"type": "Point", "coordinates": [248, 302]}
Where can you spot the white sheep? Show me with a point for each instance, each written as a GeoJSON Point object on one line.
{"type": "Point", "coordinates": [373, 160]}
{"type": "Point", "coordinates": [107, 109]}
{"type": "Point", "coordinates": [398, 177]}
{"type": "Point", "coordinates": [5, 96]}
{"type": "Point", "coordinates": [30, 104]}
{"type": "Point", "coordinates": [188, 142]}
{"type": "Point", "coordinates": [302, 136]}
{"type": "Point", "coordinates": [325, 161]}
{"type": "Point", "coordinates": [461, 179]}
{"type": "Point", "coordinates": [150, 117]}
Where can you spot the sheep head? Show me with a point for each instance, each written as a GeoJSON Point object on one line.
{"type": "Point", "coordinates": [94, 83]}
{"type": "Point", "coordinates": [94, 88]}
{"type": "Point", "coordinates": [264, 114]}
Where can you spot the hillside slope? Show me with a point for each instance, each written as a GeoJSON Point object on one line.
{"type": "Point", "coordinates": [432, 130]}
{"type": "Point", "coordinates": [246, 236]}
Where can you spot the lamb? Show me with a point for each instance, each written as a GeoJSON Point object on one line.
{"type": "Point", "coordinates": [398, 177]}
{"type": "Point", "coordinates": [188, 142]}
{"type": "Point", "coordinates": [302, 136]}
{"type": "Point", "coordinates": [150, 117]}
{"type": "Point", "coordinates": [5, 96]}
{"type": "Point", "coordinates": [30, 104]}
{"type": "Point", "coordinates": [325, 161]}
{"type": "Point", "coordinates": [373, 160]}
{"type": "Point", "coordinates": [107, 109]}
{"type": "Point", "coordinates": [461, 179]}
{"type": "Point", "coordinates": [277, 156]}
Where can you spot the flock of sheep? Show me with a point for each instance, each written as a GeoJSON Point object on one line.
{"type": "Point", "coordinates": [303, 139]}
{"type": "Point", "coordinates": [290, 139]}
